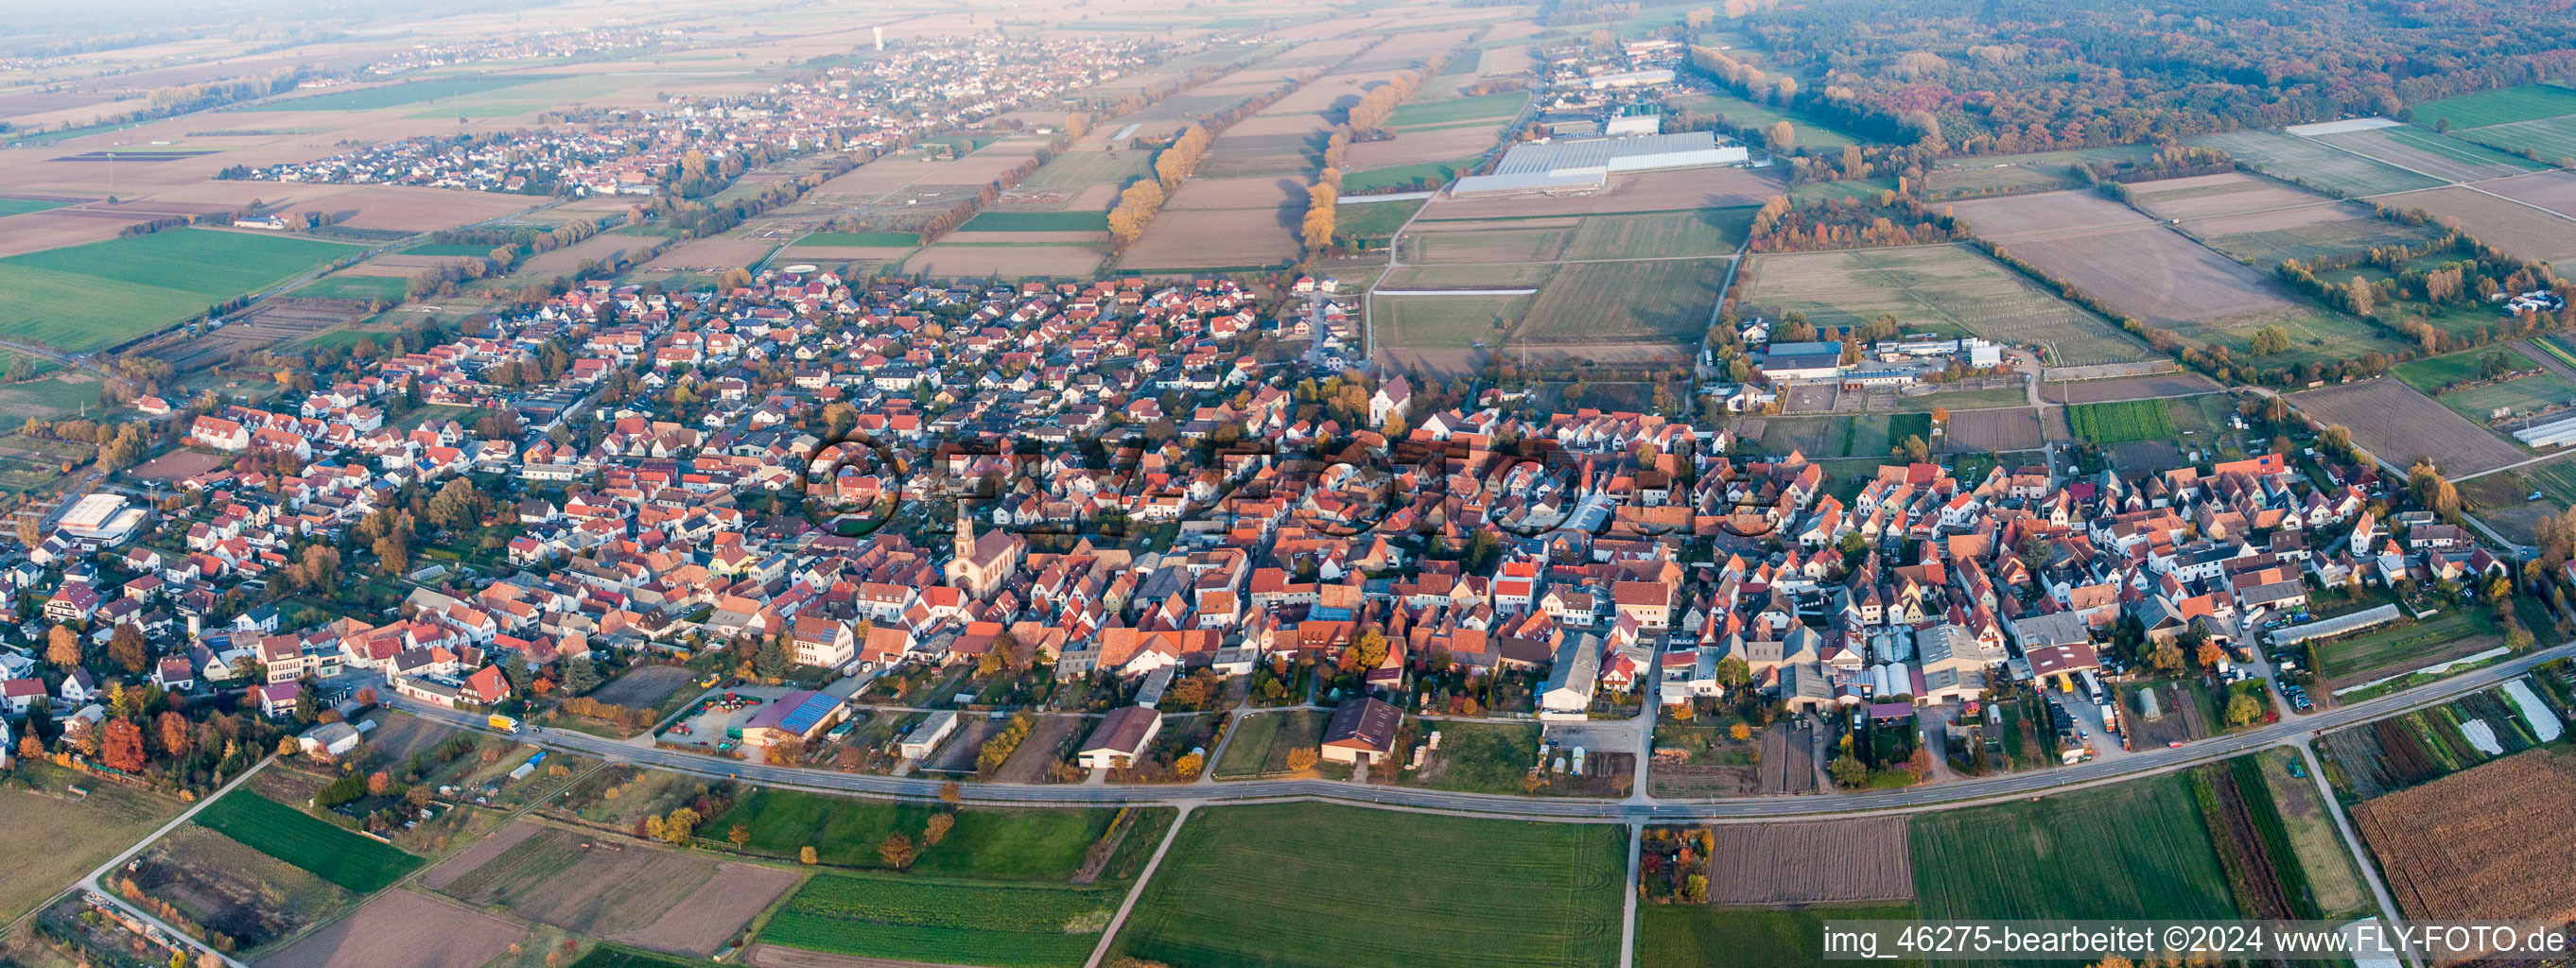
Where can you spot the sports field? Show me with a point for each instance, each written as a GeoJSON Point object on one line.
{"type": "Point", "coordinates": [413, 92]}
{"type": "Point", "coordinates": [1248, 886]}
{"type": "Point", "coordinates": [89, 297]}
{"type": "Point", "coordinates": [2317, 165]}
{"type": "Point", "coordinates": [945, 922]}
{"type": "Point", "coordinates": [1036, 222]}
{"type": "Point", "coordinates": [1940, 289]}
{"type": "Point", "coordinates": [2498, 107]}
{"type": "Point", "coordinates": [2130, 850]}
{"type": "Point", "coordinates": [358, 863]}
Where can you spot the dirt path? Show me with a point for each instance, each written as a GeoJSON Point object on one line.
{"type": "Point", "coordinates": [1110, 934]}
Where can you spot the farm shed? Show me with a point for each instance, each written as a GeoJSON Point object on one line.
{"type": "Point", "coordinates": [926, 737]}
{"type": "Point", "coordinates": [1120, 738]}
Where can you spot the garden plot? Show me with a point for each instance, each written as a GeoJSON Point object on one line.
{"type": "Point", "coordinates": [1994, 431]}
{"type": "Point", "coordinates": [2399, 424]}
{"type": "Point", "coordinates": [1942, 289]}
{"type": "Point", "coordinates": [225, 887]}
{"type": "Point", "coordinates": [1833, 861]}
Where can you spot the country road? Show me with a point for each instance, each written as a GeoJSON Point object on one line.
{"type": "Point", "coordinates": [1637, 809]}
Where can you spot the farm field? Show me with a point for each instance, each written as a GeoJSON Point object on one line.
{"type": "Point", "coordinates": [1706, 936]}
{"type": "Point", "coordinates": [1079, 167]}
{"type": "Point", "coordinates": [2517, 395]}
{"type": "Point", "coordinates": [2552, 190]}
{"type": "Point", "coordinates": [2432, 154]}
{"type": "Point", "coordinates": [1702, 232]}
{"type": "Point", "coordinates": [2129, 263]}
{"type": "Point", "coordinates": [2334, 884]}
{"type": "Point", "coordinates": [336, 855]}
{"type": "Point", "coordinates": [1244, 886]}
{"type": "Point", "coordinates": [22, 206]}
{"type": "Point", "coordinates": [2032, 172]}
{"type": "Point", "coordinates": [1829, 862]}
{"type": "Point", "coordinates": [948, 922]}
{"type": "Point", "coordinates": [2305, 161]}
{"type": "Point", "coordinates": [411, 92]}
{"type": "Point", "coordinates": [2551, 138]}
{"type": "Point", "coordinates": [2418, 746]}
{"type": "Point", "coordinates": [1372, 220]}
{"type": "Point", "coordinates": [1434, 114]}
{"type": "Point", "coordinates": [1037, 222]}
{"type": "Point", "coordinates": [2175, 384]}
{"type": "Point", "coordinates": [400, 929]}
{"type": "Point", "coordinates": [2397, 648]}
{"type": "Point", "coordinates": [2516, 228]}
{"type": "Point", "coordinates": [646, 896]}
{"type": "Point", "coordinates": [860, 240]}
{"type": "Point", "coordinates": [1006, 261]}
{"type": "Point", "coordinates": [2120, 423]}
{"type": "Point", "coordinates": [1422, 175]}
{"type": "Point", "coordinates": [2130, 850]}
{"type": "Point", "coordinates": [2524, 103]}
{"type": "Point", "coordinates": [78, 833]}
{"type": "Point", "coordinates": [2491, 841]}
{"type": "Point", "coordinates": [1948, 289]}
{"type": "Point", "coordinates": [89, 297]}
{"type": "Point", "coordinates": [2253, 846]}
{"type": "Point", "coordinates": [1017, 845]}
{"type": "Point", "coordinates": [2392, 420]}
{"type": "Point", "coordinates": [1440, 333]}
{"type": "Point", "coordinates": [1592, 304]}
{"type": "Point", "coordinates": [2432, 373]}
{"type": "Point", "coordinates": [390, 288]}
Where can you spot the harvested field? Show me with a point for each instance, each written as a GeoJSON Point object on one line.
{"type": "Point", "coordinates": [2399, 424]}
{"type": "Point", "coordinates": [1084, 237]}
{"type": "Point", "coordinates": [2552, 190]}
{"type": "Point", "coordinates": [1592, 303]}
{"type": "Point", "coordinates": [2265, 238]}
{"type": "Point", "coordinates": [2226, 194]}
{"type": "Point", "coordinates": [644, 688]}
{"type": "Point", "coordinates": [2048, 213]}
{"type": "Point", "coordinates": [2007, 429]}
{"type": "Point", "coordinates": [713, 255]}
{"type": "Point", "coordinates": [837, 253]}
{"type": "Point", "coordinates": [1416, 147]}
{"type": "Point", "coordinates": [578, 883]}
{"type": "Point", "coordinates": [1788, 760]}
{"type": "Point", "coordinates": [400, 929]}
{"type": "Point", "coordinates": [476, 855]}
{"type": "Point", "coordinates": [2441, 157]}
{"type": "Point", "coordinates": [1654, 191]}
{"type": "Point", "coordinates": [1811, 863]}
{"type": "Point", "coordinates": [1941, 289]}
{"type": "Point", "coordinates": [705, 922]}
{"type": "Point", "coordinates": [2516, 228]}
{"type": "Point", "coordinates": [1009, 261]}
{"type": "Point", "coordinates": [2178, 384]}
{"type": "Point", "coordinates": [2488, 842]}
{"type": "Point", "coordinates": [404, 208]}
{"type": "Point", "coordinates": [1215, 239]}
{"type": "Point", "coordinates": [1486, 242]}
{"type": "Point", "coordinates": [597, 248]}
{"type": "Point", "coordinates": [1238, 193]}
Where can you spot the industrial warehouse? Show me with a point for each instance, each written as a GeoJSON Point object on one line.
{"type": "Point", "coordinates": [1586, 164]}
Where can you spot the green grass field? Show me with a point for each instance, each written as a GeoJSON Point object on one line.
{"type": "Point", "coordinates": [355, 287]}
{"type": "Point", "coordinates": [1426, 114]}
{"type": "Point", "coordinates": [77, 835]}
{"type": "Point", "coordinates": [606, 956]}
{"type": "Point", "coordinates": [331, 853]}
{"type": "Point", "coordinates": [862, 239]}
{"type": "Point", "coordinates": [2518, 394]}
{"type": "Point", "coordinates": [1381, 179]}
{"type": "Point", "coordinates": [1946, 289]}
{"type": "Point", "coordinates": [2316, 165]}
{"type": "Point", "coordinates": [1448, 322]}
{"type": "Point", "coordinates": [89, 297]}
{"type": "Point", "coordinates": [412, 92]}
{"type": "Point", "coordinates": [947, 922]}
{"type": "Point", "coordinates": [1012, 845]}
{"type": "Point", "coordinates": [1805, 132]}
{"type": "Point", "coordinates": [22, 206]}
{"type": "Point", "coordinates": [1262, 742]}
{"type": "Point", "coordinates": [2264, 250]}
{"type": "Point", "coordinates": [1372, 220]}
{"type": "Point", "coordinates": [1478, 757]}
{"type": "Point", "coordinates": [2120, 422]}
{"type": "Point", "coordinates": [1249, 886]}
{"type": "Point", "coordinates": [1704, 936]}
{"type": "Point", "coordinates": [2525, 103]}
{"type": "Point", "coordinates": [2397, 648]}
{"type": "Point", "coordinates": [2550, 138]}
{"type": "Point", "coordinates": [2454, 149]}
{"type": "Point", "coordinates": [1037, 222]}
{"type": "Point", "coordinates": [449, 249]}
{"type": "Point", "coordinates": [2131, 850]}
{"type": "Point", "coordinates": [2431, 374]}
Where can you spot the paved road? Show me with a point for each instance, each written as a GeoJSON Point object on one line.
{"type": "Point", "coordinates": [1641, 809]}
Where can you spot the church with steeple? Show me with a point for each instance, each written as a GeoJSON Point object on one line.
{"type": "Point", "coordinates": [983, 562]}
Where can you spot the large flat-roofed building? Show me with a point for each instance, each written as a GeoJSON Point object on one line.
{"type": "Point", "coordinates": [1586, 164]}
{"type": "Point", "coordinates": [1794, 362]}
{"type": "Point", "coordinates": [101, 520]}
